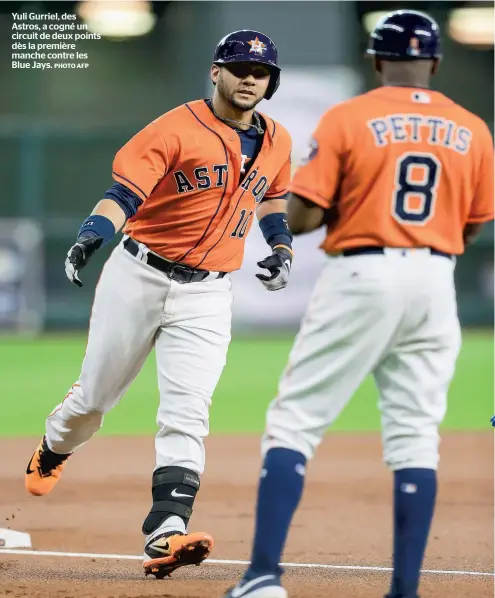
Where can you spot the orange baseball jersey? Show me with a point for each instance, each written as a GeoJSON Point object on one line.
{"type": "Point", "coordinates": [402, 167]}
{"type": "Point", "coordinates": [186, 168]}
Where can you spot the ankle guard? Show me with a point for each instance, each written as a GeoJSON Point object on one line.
{"type": "Point", "coordinates": [174, 490]}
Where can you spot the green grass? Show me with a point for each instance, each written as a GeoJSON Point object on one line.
{"type": "Point", "coordinates": [36, 374]}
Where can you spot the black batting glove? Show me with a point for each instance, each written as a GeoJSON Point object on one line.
{"type": "Point", "coordinates": [278, 264]}
{"type": "Point", "coordinates": [79, 255]}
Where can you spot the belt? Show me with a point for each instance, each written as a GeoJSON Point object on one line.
{"type": "Point", "coordinates": [175, 271]}
{"type": "Point", "coordinates": [372, 250]}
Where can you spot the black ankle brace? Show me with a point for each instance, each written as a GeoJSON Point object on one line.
{"type": "Point", "coordinates": [174, 490]}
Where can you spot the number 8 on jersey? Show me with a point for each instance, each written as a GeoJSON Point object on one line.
{"type": "Point", "coordinates": [417, 177]}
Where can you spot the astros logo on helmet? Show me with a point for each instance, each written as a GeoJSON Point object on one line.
{"type": "Point", "coordinates": [247, 45]}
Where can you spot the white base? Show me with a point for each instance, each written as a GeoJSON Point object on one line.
{"type": "Point", "coordinates": [12, 539]}
{"type": "Point", "coordinates": [267, 592]}
{"type": "Point", "coordinates": [272, 592]}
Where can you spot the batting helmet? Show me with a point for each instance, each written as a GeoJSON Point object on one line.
{"type": "Point", "coordinates": [405, 35]}
{"type": "Point", "coordinates": [250, 46]}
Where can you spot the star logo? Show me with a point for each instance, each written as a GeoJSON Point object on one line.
{"type": "Point", "coordinates": [311, 151]}
{"type": "Point", "coordinates": [257, 46]}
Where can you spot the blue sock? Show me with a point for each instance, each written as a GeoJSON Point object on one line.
{"type": "Point", "coordinates": [414, 502]}
{"type": "Point", "coordinates": [280, 490]}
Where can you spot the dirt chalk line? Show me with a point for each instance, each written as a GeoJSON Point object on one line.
{"type": "Point", "coordinates": [130, 557]}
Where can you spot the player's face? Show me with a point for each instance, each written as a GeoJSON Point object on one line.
{"type": "Point", "coordinates": [243, 84]}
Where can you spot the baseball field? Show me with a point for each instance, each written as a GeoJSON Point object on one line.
{"type": "Point", "coordinates": [86, 535]}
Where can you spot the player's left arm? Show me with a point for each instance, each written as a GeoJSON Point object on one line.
{"type": "Point", "coordinates": [482, 205]}
{"type": "Point", "coordinates": [272, 218]}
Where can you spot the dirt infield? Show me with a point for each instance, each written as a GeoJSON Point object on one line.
{"type": "Point", "coordinates": [345, 519]}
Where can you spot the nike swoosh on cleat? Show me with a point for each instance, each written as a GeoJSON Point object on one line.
{"type": "Point", "coordinates": [175, 494]}
{"type": "Point", "coordinates": [158, 549]}
{"type": "Point", "coordinates": [28, 470]}
{"type": "Point", "coordinates": [238, 592]}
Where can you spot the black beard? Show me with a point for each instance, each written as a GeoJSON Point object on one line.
{"type": "Point", "coordinates": [243, 107]}
{"type": "Point", "coordinates": [233, 102]}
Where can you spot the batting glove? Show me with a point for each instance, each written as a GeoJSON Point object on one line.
{"type": "Point", "coordinates": [278, 264]}
{"type": "Point", "coordinates": [79, 255]}
{"type": "Point", "coordinates": [493, 421]}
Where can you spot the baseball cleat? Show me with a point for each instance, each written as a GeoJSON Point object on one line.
{"type": "Point", "coordinates": [265, 586]}
{"type": "Point", "coordinates": [167, 552]}
{"type": "Point", "coordinates": [44, 470]}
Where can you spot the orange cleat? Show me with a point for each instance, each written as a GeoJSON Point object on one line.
{"type": "Point", "coordinates": [166, 553]}
{"type": "Point", "coordinates": [44, 470]}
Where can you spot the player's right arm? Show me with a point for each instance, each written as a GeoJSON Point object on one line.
{"type": "Point", "coordinates": [137, 168]}
{"type": "Point", "coordinates": [482, 205]}
{"type": "Point", "coordinates": [315, 182]}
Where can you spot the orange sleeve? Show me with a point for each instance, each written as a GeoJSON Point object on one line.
{"type": "Point", "coordinates": [482, 206]}
{"type": "Point", "coordinates": [280, 186]}
{"type": "Point", "coordinates": [142, 162]}
{"type": "Point", "coordinates": [318, 176]}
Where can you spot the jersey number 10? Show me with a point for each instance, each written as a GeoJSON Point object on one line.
{"type": "Point", "coordinates": [240, 229]}
{"type": "Point", "coordinates": [424, 187]}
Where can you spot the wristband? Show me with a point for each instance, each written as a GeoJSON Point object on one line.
{"type": "Point", "coordinates": [275, 230]}
{"type": "Point", "coordinates": [97, 226]}
{"type": "Point", "coordinates": [285, 247]}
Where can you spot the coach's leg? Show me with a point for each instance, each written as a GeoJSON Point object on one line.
{"type": "Point", "coordinates": [125, 316]}
{"type": "Point", "coordinates": [350, 320]}
{"type": "Point", "coordinates": [191, 351]}
{"type": "Point", "coordinates": [413, 383]}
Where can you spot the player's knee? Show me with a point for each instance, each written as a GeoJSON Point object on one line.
{"type": "Point", "coordinates": [83, 408]}
{"type": "Point", "coordinates": [78, 405]}
{"type": "Point", "coordinates": [413, 451]}
{"type": "Point", "coordinates": [89, 400]}
{"type": "Point", "coordinates": [89, 420]}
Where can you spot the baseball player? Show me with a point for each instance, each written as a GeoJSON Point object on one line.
{"type": "Point", "coordinates": [403, 178]}
{"type": "Point", "coordinates": [186, 190]}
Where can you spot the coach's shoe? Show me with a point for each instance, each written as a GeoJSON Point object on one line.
{"type": "Point", "coordinates": [44, 470]}
{"type": "Point", "coordinates": [167, 552]}
{"type": "Point", "coordinates": [265, 586]}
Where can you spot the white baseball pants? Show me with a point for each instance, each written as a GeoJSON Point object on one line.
{"type": "Point", "coordinates": [393, 315]}
{"type": "Point", "coordinates": [136, 308]}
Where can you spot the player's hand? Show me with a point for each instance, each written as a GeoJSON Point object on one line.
{"type": "Point", "coordinates": [493, 421]}
{"type": "Point", "coordinates": [79, 255]}
{"type": "Point", "coordinates": [278, 264]}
